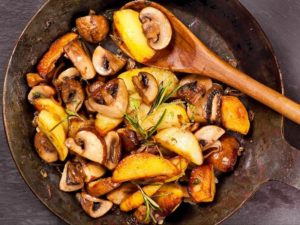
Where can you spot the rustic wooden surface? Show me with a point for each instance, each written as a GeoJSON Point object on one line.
{"type": "Point", "coordinates": [273, 204]}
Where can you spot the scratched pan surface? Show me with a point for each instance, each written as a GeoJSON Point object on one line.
{"type": "Point", "coordinates": [227, 28]}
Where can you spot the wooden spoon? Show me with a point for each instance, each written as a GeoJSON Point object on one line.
{"type": "Point", "coordinates": [186, 53]}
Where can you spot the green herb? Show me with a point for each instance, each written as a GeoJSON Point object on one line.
{"type": "Point", "coordinates": [71, 115]}
{"type": "Point", "coordinates": [154, 128]}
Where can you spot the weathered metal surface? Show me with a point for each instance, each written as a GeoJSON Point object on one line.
{"type": "Point", "coordinates": [228, 29]}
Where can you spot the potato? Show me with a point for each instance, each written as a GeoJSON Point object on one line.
{"type": "Point", "coordinates": [225, 159]}
{"type": "Point", "coordinates": [182, 142]}
{"type": "Point", "coordinates": [134, 102]}
{"type": "Point", "coordinates": [101, 186]}
{"type": "Point", "coordinates": [77, 124]}
{"type": "Point", "coordinates": [175, 117]}
{"type": "Point", "coordinates": [168, 197]}
{"type": "Point", "coordinates": [104, 124]}
{"type": "Point", "coordinates": [129, 28]}
{"type": "Point", "coordinates": [142, 166]}
{"type": "Point", "coordinates": [121, 193]}
{"type": "Point", "coordinates": [51, 127]}
{"type": "Point", "coordinates": [234, 115]}
{"type": "Point", "coordinates": [202, 186]}
{"type": "Point", "coordinates": [181, 164]}
{"type": "Point", "coordinates": [54, 108]}
{"type": "Point", "coordinates": [34, 79]}
{"type": "Point", "coordinates": [136, 199]}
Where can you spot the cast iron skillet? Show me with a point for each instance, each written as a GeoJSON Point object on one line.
{"type": "Point", "coordinates": [227, 28]}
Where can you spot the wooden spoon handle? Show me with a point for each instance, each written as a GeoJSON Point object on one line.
{"type": "Point", "coordinates": [220, 70]}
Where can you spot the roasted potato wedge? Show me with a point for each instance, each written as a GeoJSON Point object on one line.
{"type": "Point", "coordinates": [234, 115]}
{"type": "Point", "coordinates": [104, 124]}
{"type": "Point", "coordinates": [136, 199]}
{"type": "Point", "coordinates": [101, 187]}
{"type": "Point", "coordinates": [181, 164]}
{"type": "Point", "coordinates": [34, 79]}
{"type": "Point", "coordinates": [202, 186]}
{"type": "Point", "coordinates": [52, 128]}
{"type": "Point", "coordinates": [182, 142]}
{"type": "Point", "coordinates": [142, 166]}
{"type": "Point", "coordinates": [121, 193]}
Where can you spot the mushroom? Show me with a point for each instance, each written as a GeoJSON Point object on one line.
{"type": "Point", "coordinates": [93, 28]}
{"type": "Point", "coordinates": [72, 177]}
{"type": "Point", "coordinates": [88, 145]}
{"type": "Point", "coordinates": [209, 134]}
{"type": "Point", "coordinates": [40, 91]}
{"type": "Point", "coordinates": [76, 124]}
{"type": "Point", "coordinates": [156, 27]}
{"type": "Point", "coordinates": [69, 73]}
{"type": "Point", "coordinates": [146, 85]}
{"type": "Point", "coordinates": [191, 92]}
{"type": "Point", "coordinates": [34, 79]}
{"type": "Point", "coordinates": [72, 94]}
{"type": "Point", "coordinates": [106, 63]}
{"type": "Point", "coordinates": [214, 101]}
{"type": "Point", "coordinates": [129, 139]}
{"type": "Point", "coordinates": [113, 146]}
{"type": "Point", "coordinates": [44, 148]}
{"type": "Point", "coordinates": [94, 207]}
{"type": "Point", "coordinates": [115, 97]}
{"type": "Point", "coordinates": [202, 80]}
{"type": "Point", "coordinates": [92, 171]}
{"type": "Point", "coordinates": [80, 59]}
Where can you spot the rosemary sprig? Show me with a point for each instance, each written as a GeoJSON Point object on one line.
{"type": "Point", "coordinates": [70, 115]}
{"type": "Point", "coordinates": [154, 128]}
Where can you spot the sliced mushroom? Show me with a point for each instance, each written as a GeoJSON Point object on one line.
{"type": "Point", "coordinates": [76, 124]}
{"type": "Point", "coordinates": [72, 177]}
{"type": "Point", "coordinates": [44, 148]}
{"type": "Point", "coordinates": [80, 59]}
{"type": "Point", "coordinates": [94, 207]}
{"type": "Point", "coordinates": [204, 81]}
{"type": "Point", "coordinates": [106, 63]}
{"type": "Point", "coordinates": [34, 79]}
{"type": "Point", "coordinates": [69, 73]}
{"type": "Point", "coordinates": [156, 27]}
{"type": "Point", "coordinates": [113, 146]}
{"type": "Point", "coordinates": [209, 134]}
{"type": "Point", "coordinates": [191, 92]}
{"type": "Point", "coordinates": [129, 139]}
{"type": "Point", "coordinates": [72, 94]}
{"type": "Point", "coordinates": [115, 96]}
{"type": "Point", "coordinates": [93, 28]}
{"type": "Point", "coordinates": [146, 85]}
{"type": "Point", "coordinates": [214, 100]}
{"type": "Point", "coordinates": [88, 145]}
{"type": "Point", "coordinates": [101, 186]}
{"type": "Point", "coordinates": [92, 171]}
{"type": "Point", "coordinates": [40, 91]}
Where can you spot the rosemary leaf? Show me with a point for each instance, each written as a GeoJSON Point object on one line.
{"type": "Point", "coordinates": [154, 128]}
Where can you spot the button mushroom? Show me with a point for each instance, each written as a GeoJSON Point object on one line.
{"type": "Point", "coordinates": [44, 148]}
{"type": "Point", "coordinates": [72, 177]}
{"type": "Point", "coordinates": [156, 27]}
{"type": "Point", "coordinates": [129, 139]}
{"type": "Point", "coordinates": [106, 63]}
{"type": "Point", "coordinates": [146, 85]}
{"type": "Point", "coordinates": [94, 207]}
{"type": "Point", "coordinates": [69, 73]}
{"type": "Point", "coordinates": [209, 134]}
{"type": "Point", "coordinates": [93, 28]}
{"type": "Point", "coordinates": [115, 97]}
{"type": "Point", "coordinates": [40, 91]}
{"type": "Point", "coordinates": [88, 145]}
{"type": "Point", "coordinates": [113, 146]}
{"type": "Point", "coordinates": [80, 59]}
{"type": "Point", "coordinates": [72, 94]}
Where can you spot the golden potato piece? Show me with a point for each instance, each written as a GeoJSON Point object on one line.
{"type": "Point", "coordinates": [77, 124]}
{"type": "Point", "coordinates": [182, 142]}
{"type": "Point", "coordinates": [121, 193]}
{"type": "Point", "coordinates": [128, 26]}
{"type": "Point", "coordinates": [104, 124]}
{"type": "Point", "coordinates": [234, 115]}
{"type": "Point", "coordinates": [181, 164]}
{"type": "Point", "coordinates": [52, 128]}
{"type": "Point", "coordinates": [202, 186]}
{"type": "Point", "coordinates": [47, 63]}
{"type": "Point", "coordinates": [101, 186]}
{"type": "Point", "coordinates": [136, 199]}
{"type": "Point", "coordinates": [34, 79]}
{"type": "Point", "coordinates": [142, 166]}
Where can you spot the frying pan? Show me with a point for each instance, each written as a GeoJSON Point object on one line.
{"type": "Point", "coordinates": [224, 26]}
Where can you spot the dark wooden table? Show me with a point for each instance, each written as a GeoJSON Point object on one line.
{"type": "Point", "coordinates": [273, 204]}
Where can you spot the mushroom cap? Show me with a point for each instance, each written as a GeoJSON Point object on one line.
{"type": "Point", "coordinates": [72, 177]}
{"type": "Point", "coordinates": [72, 94]}
{"type": "Point", "coordinates": [40, 91]}
{"type": "Point", "coordinates": [113, 145]}
{"type": "Point", "coordinates": [45, 148]}
{"type": "Point", "coordinates": [69, 73]}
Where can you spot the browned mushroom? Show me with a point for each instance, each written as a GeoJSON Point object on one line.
{"type": "Point", "coordinates": [93, 28]}
{"type": "Point", "coordinates": [113, 146]}
{"type": "Point", "coordinates": [94, 207]}
{"type": "Point", "coordinates": [106, 63]}
{"type": "Point", "coordinates": [76, 124]}
{"type": "Point", "coordinates": [101, 186]}
{"type": "Point", "coordinates": [72, 177]}
{"type": "Point", "coordinates": [115, 97]}
{"type": "Point", "coordinates": [129, 139]}
{"type": "Point", "coordinates": [209, 134]}
{"type": "Point", "coordinates": [69, 73]}
{"type": "Point", "coordinates": [34, 79]}
{"type": "Point", "coordinates": [44, 148]}
{"type": "Point", "coordinates": [147, 87]}
{"type": "Point", "coordinates": [191, 92]}
{"type": "Point", "coordinates": [40, 91]}
{"type": "Point", "coordinates": [156, 27]}
{"type": "Point", "coordinates": [72, 94]}
{"type": "Point", "coordinates": [80, 59]}
{"type": "Point", "coordinates": [88, 145]}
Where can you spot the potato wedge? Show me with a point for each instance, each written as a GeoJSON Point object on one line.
{"type": "Point", "coordinates": [168, 197]}
{"type": "Point", "coordinates": [181, 164]}
{"type": "Point", "coordinates": [121, 193]}
{"type": "Point", "coordinates": [101, 186]}
{"type": "Point", "coordinates": [129, 28]}
{"type": "Point", "coordinates": [51, 126]}
{"type": "Point", "coordinates": [47, 63]}
{"type": "Point", "coordinates": [143, 165]}
{"type": "Point", "coordinates": [202, 186]}
{"type": "Point", "coordinates": [136, 199]}
{"type": "Point", "coordinates": [104, 124]}
{"type": "Point", "coordinates": [182, 142]}
{"type": "Point", "coordinates": [34, 79]}
{"type": "Point", "coordinates": [234, 115]}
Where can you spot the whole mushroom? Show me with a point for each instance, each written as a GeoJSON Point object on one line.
{"type": "Point", "coordinates": [44, 148]}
